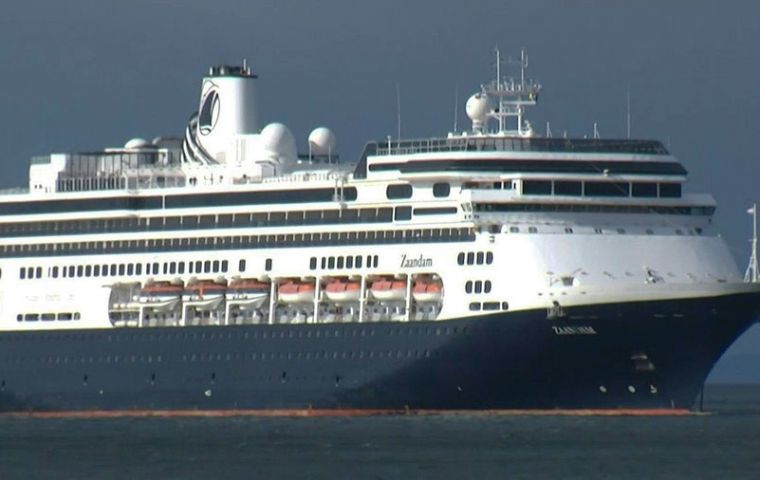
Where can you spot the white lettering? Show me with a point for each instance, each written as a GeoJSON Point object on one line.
{"type": "Point", "coordinates": [574, 330]}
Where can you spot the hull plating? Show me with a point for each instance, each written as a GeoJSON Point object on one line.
{"type": "Point", "coordinates": [635, 355]}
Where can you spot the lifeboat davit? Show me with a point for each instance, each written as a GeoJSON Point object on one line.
{"type": "Point", "coordinates": [248, 293]}
{"type": "Point", "coordinates": [296, 292]}
{"type": "Point", "coordinates": [427, 291]}
{"type": "Point", "coordinates": [388, 290]}
{"type": "Point", "coordinates": [343, 291]}
{"type": "Point", "coordinates": [204, 295]}
{"type": "Point", "coordinates": [160, 296]}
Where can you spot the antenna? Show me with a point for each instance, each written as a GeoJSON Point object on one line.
{"type": "Point", "coordinates": [548, 130]}
{"type": "Point", "coordinates": [628, 110]}
{"type": "Point", "coordinates": [398, 111]}
{"type": "Point", "coordinates": [596, 131]}
{"type": "Point", "coordinates": [456, 107]}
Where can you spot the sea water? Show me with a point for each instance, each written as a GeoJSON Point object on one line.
{"type": "Point", "coordinates": [724, 443]}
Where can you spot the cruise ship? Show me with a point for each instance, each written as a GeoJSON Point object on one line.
{"type": "Point", "coordinates": [486, 269]}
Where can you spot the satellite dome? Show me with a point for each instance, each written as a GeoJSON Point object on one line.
{"type": "Point", "coordinates": [322, 141]}
{"type": "Point", "coordinates": [136, 143]}
{"type": "Point", "coordinates": [477, 107]}
{"type": "Point", "coordinates": [278, 138]}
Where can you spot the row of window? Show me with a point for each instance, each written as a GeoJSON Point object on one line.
{"type": "Point", "coordinates": [48, 317]}
{"type": "Point", "coordinates": [475, 258]}
{"type": "Point", "coordinates": [199, 222]}
{"type": "Point", "coordinates": [291, 240]}
{"type": "Point", "coordinates": [570, 207]}
{"type": "Point", "coordinates": [404, 191]}
{"type": "Point", "coordinates": [601, 189]}
{"type": "Point", "coordinates": [203, 222]}
{"type": "Point", "coordinates": [477, 286]}
{"type": "Point", "coordinates": [129, 269]}
{"type": "Point", "coordinates": [488, 306]}
{"type": "Point", "coordinates": [159, 202]}
{"type": "Point", "coordinates": [219, 357]}
{"type": "Point", "coordinates": [223, 334]}
{"type": "Point", "coordinates": [530, 165]}
{"type": "Point", "coordinates": [351, 261]}
{"type": "Point", "coordinates": [599, 230]}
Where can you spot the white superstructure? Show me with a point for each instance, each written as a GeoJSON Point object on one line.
{"type": "Point", "coordinates": [231, 226]}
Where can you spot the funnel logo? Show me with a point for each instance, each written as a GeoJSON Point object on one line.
{"type": "Point", "coordinates": [209, 111]}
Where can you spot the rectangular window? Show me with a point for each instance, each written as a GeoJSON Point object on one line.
{"type": "Point", "coordinates": [670, 190]}
{"type": "Point", "coordinates": [491, 306]}
{"type": "Point", "coordinates": [55, 272]}
{"type": "Point", "coordinates": [350, 262]}
{"type": "Point", "coordinates": [331, 263]}
{"type": "Point", "coordinates": [607, 189]}
{"type": "Point", "coordinates": [313, 263]}
{"type": "Point", "coordinates": [172, 267]}
{"type": "Point", "coordinates": [358, 261]}
{"type": "Point", "coordinates": [644, 189]}
{"type": "Point", "coordinates": [215, 266]}
{"type": "Point", "coordinates": [138, 269]}
{"type": "Point", "coordinates": [121, 269]}
{"type": "Point", "coordinates": [568, 188]}
{"type": "Point", "coordinates": [268, 264]}
{"type": "Point", "coordinates": [225, 266]}
{"type": "Point", "coordinates": [537, 187]}
{"type": "Point", "coordinates": [207, 266]}
{"type": "Point", "coordinates": [180, 267]}
{"type": "Point", "coordinates": [403, 213]}
{"type": "Point", "coordinates": [398, 191]}
{"type": "Point", "coordinates": [88, 271]}
{"type": "Point", "coordinates": [340, 262]}
{"type": "Point", "coordinates": [80, 270]}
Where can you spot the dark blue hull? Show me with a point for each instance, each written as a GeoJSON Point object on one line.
{"type": "Point", "coordinates": [633, 355]}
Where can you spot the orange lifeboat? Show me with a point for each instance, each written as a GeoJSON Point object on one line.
{"type": "Point", "coordinates": [160, 296]}
{"type": "Point", "coordinates": [204, 294]}
{"type": "Point", "coordinates": [385, 289]}
{"type": "Point", "coordinates": [343, 291]}
{"type": "Point", "coordinates": [427, 291]}
{"type": "Point", "coordinates": [248, 292]}
{"type": "Point", "coordinates": [292, 291]}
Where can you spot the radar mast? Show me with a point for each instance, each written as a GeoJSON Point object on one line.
{"type": "Point", "coordinates": [512, 96]}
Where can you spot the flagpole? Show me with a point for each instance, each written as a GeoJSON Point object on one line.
{"type": "Point", "coordinates": [754, 243]}
{"type": "Point", "coordinates": [751, 274]}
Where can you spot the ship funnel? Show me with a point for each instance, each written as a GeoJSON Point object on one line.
{"type": "Point", "coordinates": [227, 109]}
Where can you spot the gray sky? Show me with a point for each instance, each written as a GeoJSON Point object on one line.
{"type": "Point", "coordinates": [86, 74]}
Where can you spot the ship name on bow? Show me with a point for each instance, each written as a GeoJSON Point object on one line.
{"type": "Point", "coordinates": [574, 330]}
